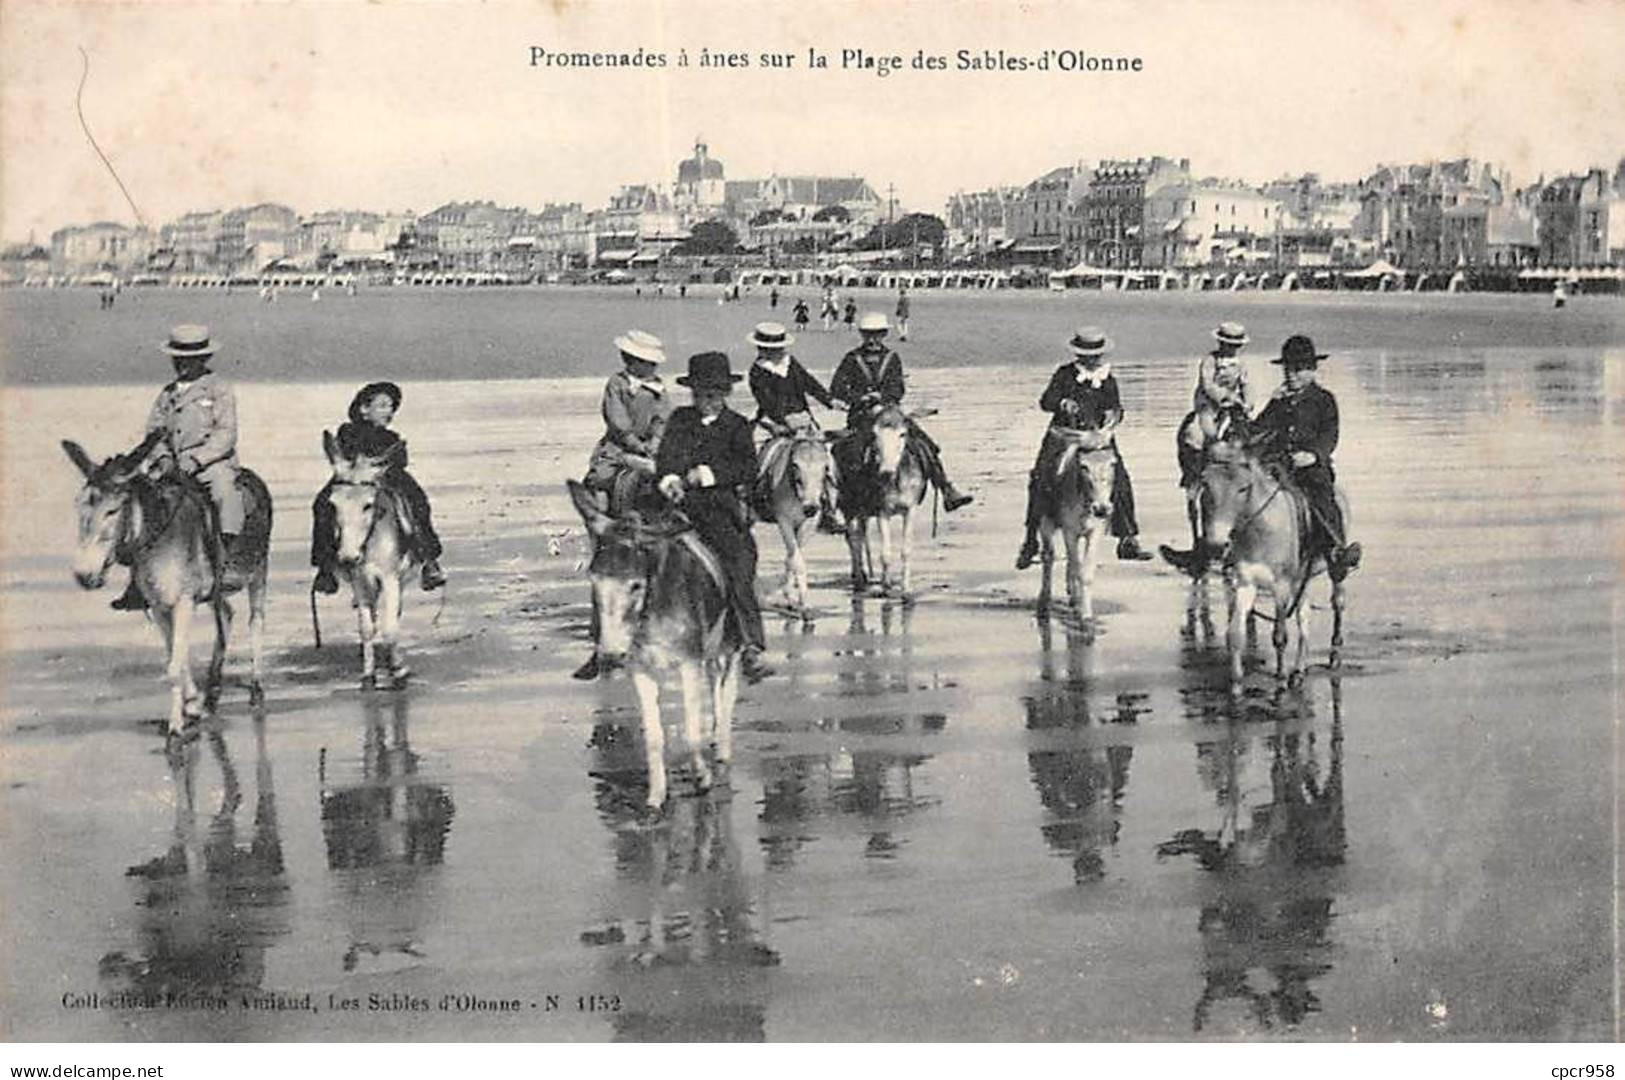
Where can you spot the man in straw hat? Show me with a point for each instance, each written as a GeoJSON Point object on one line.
{"type": "Point", "coordinates": [781, 387]}
{"type": "Point", "coordinates": [197, 416]}
{"type": "Point", "coordinates": [635, 407]}
{"type": "Point", "coordinates": [1082, 395]}
{"type": "Point", "coordinates": [871, 375]}
{"type": "Point", "coordinates": [1300, 423]}
{"type": "Point", "coordinates": [706, 457]}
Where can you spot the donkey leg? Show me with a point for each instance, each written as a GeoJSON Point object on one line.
{"type": "Point", "coordinates": [1339, 600]}
{"type": "Point", "coordinates": [256, 632]}
{"type": "Point", "coordinates": [856, 530]}
{"type": "Point", "coordinates": [654, 736]}
{"type": "Point", "coordinates": [1241, 608]}
{"type": "Point", "coordinates": [185, 699]}
{"type": "Point", "coordinates": [906, 538]}
{"type": "Point", "coordinates": [222, 612]}
{"type": "Point", "coordinates": [727, 695]}
{"type": "Point", "coordinates": [787, 533]}
{"type": "Point", "coordinates": [694, 713]}
{"type": "Point", "coordinates": [1046, 551]}
{"type": "Point", "coordinates": [1299, 667]}
{"type": "Point", "coordinates": [1077, 545]}
{"type": "Point", "coordinates": [389, 612]}
{"type": "Point", "coordinates": [797, 564]}
{"type": "Point", "coordinates": [1278, 634]}
{"type": "Point", "coordinates": [365, 626]}
{"type": "Point", "coordinates": [884, 522]}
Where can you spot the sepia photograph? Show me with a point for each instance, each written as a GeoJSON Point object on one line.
{"type": "Point", "coordinates": [681, 521]}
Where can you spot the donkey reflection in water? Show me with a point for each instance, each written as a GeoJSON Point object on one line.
{"type": "Point", "coordinates": [375, 554]}
{"type": "Point", "coordinates": [661, 606]}
{"type": "Point", "coordinates": [162, 525]}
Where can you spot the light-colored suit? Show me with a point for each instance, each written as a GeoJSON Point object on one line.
{"type": "Point", "coordinates": [199, 420]}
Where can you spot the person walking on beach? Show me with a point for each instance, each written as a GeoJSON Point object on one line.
{"type": "Point", "coordinates": [902, 313]}
{"type": "Point", "coordinates": [829, 313]}
{"type": "Point", "coordinates": [706, 458]}
{"type": "Point", "coordinates": [868, 378]}
{"type": "Point", "coordinates": [781, 387]}
{"type": "Point", "coordinates": [635, 407]}
{"type": "Point", "coordinates": [197, 417]}
{"type": "Point", "coordinates": [801, 313]}
{"type": "Point", "coordinates": [773, 297]}
{"type": "Point", "coordinates": [367, 434]}
{"type": "Point", "coordinates": [849, 316]}
{"type": "Point", "coordinates": [1082, 395]}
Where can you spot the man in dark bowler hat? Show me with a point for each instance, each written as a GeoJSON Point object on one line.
{"type": "Point", "coordinates": [1300, 423]}
{"type": "Point", "coordinates": [706, 461]}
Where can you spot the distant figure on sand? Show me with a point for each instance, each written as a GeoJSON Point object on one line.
{"type": "Point", "coordinates": [801, 313]}
{"type": "Point", "coordinates": [902, 313]}
{"type": "Point", "coordinates": [850, 315]}
{"type": "Point", "coordinates": [1560, 294]}
{"type": "Point", "coordinates": [773, 298]}
{"type": "Point", "coordinates": [829, 313]}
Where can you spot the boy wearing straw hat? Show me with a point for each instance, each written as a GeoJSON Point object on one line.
{"type": "Point", "coordinates": [1082, 395]}
{"type": "Point", "coordinates": [197, 416]}
{"type": "Point", "coordinates": [635, 408]}
{"type": "Point", "coordinates": [781, 387]}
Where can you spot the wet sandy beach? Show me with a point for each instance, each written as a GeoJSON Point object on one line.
{"type": "Point", "coordinates": [946, 821]}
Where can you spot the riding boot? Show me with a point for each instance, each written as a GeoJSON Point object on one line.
{"type": "Point", "coordinates": [752, 667]}
{"type": "Point", "coordinates": [588, 671]}
{"type": "Point", "coordinates": [433, 576]}
{"type": "Point", "coordinates": [327, 582]}
{"type": "Point", "coordinates": [1129, 548]}
{"type": "Point", "coordinates": [132, 600]}
{"type": "Point", "coordinates": [1029, 545]}
{"type": "Point", "coordinates": [952, 497]}
{"type": "Point", "coordinates": [1193, 562]}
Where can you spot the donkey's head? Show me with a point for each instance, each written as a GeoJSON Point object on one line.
{"type": "Point", "coordinates": [103, 505]}
{"type": "Point", "coordinates": [1230, 488]}
{"type": "Point", "coordinates": [355, 496]}
{"type": "Point", "coordinates": [809, 472]}
{"type": "Point", "coordinates": [1099, 473]}
{"type": "Point", "coordinates": [890, 434]}
{"type": "Point", "coordinates": [622, 564]}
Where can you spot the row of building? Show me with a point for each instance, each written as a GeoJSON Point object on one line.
{"type": "Point", "coordinates": [1155, 213]}
{"type": "Point", "coordinates": [1143, 213]}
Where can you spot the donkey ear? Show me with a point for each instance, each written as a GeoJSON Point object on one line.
{"type": "Point", "coordinates": [586, 504]}
{"type": "Point", "coordinates": [330, 447]}
{"type": "Point", "coordinates": [77, 455]}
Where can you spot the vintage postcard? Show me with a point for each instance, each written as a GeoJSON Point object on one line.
{"type": "Point", "coordinates": [846, 522]}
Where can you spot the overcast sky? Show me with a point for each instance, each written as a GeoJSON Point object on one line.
{"type": "Point", "coordinates": [388, 106]}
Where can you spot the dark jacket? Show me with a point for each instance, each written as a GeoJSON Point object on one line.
{"type": "Point", "coordinates": [867, 369]}
{"type": "Point", "coordinates": [777, 396]}
{"type": "Point", "coordinates": [1098, 407]}
{"type": "Point", "coordinates": [1306, 420]}
{"type": "Point", "coordinates": [724, 446]}
{"type": "Point", "coordinates": [360, 437]}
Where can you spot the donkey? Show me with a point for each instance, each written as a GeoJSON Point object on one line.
{"type": "Point", "coordinates": [1081, 507]}
{"type": "Point", "coordinates": [795, 501]}
{"type": "Point", "coordinates": [375, 554]}
{"type": "Point", "coordinates": [890, 484]}
{"type": "Point", "coordinates": [164, 530]}
{"type": "Point", "coordinates": [661, 605]}
{"type": "Point", "coordinates": [1260, 525]}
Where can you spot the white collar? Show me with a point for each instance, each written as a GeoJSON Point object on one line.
{"type": "Point", "coordinates": [781, 368]}
{"type": "Point", "coordinates": [1095, 377]}
{"type": "Point", "coordinates": [707, 421]}
{"type": "Point", "coordinates": [651, 384]}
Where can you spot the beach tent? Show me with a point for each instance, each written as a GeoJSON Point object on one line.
{"type": "Point", "coordinates": [1380, 268]}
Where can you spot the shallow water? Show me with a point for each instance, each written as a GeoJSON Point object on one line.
{"type": "Point", "coordinates": [945, 821]}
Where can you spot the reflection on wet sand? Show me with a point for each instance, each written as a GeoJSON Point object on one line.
{"type": "Point", "coordinates": [686, 948]}
{"type": "Point", "coordinates": [1081, 788]}
{"type": "Point", "coordinates": [210, 907]}
{"type": "Point", "coordinates": [1269, 871]}
{"type": "Point", "coordinates": [386, 839]}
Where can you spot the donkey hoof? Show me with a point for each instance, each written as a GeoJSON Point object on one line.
{"type": "Point", "coordinates": [650, 815]}
{"type": "Point", "coordinates": [369, 682]}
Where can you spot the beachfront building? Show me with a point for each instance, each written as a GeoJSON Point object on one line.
{"type": "Point", "coordinates": [1208, 223]}
{"type": "Point", "coordinates": [1501, 234]}
{"type": "Point", "coordinates": [1045, 223]}
{"type": "Point", "coordinates": [105, 247]}
{"type": "Point", "coordinates": [191, 242]}
{"type": "Point", "coordinates": [700, 193]}
{"type": "Point", "coordinates": [24, 262]}
{"type": "Point", "coordinates": [1403, 207]}
{"type": "Point", "coordinates": [979, 222]}
{"type": "Point", "coordinates": [1582, 219]}
{"type": "Point", "coordinates": [1317, 222]}
{"type": "Point", "coordinates": [351, 239]}
{"type": "Point", "coordinates": [1114, 206]}
{"type": "Point", "coordinates": [252, 237]}
{"type": "Point", "coordinates": [564, 237]}
{"type": "Point", "coordinates": [638, 227]}
{"type": "Point", "coordinates": [804, 198]}
{"type": "Point", "coordinates": [466, 237]}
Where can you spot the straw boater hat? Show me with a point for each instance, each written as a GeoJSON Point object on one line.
{"type": "Point", "coordinates": [1230, 333]}
{"type": "Point", "coordinates": [1090, 341]}
{"type": "Point", "coordinates": [772, 335]}
{"type": "Point", "coordinates": [709, 371]}
{"type": "Point", "coordinates": [189, 340]}
{"type": "Point", "coordinates": [1299, 352]}
{"type": "Point", "coordinates": [642, 345]}
{"type": "Point", "coordinates": [873, 322]}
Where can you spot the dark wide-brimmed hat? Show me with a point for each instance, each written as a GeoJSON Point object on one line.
{"type": "Point", "coordinates": [189, 340]}
{"type": "Point", "coordinates": [1299, 352]}
{"type": "Point", "coordinates": [709, 371]}
{"type": "Point", "coordinates": [370, 391]}
{"type": "Point", "coordinates": [772, 335]}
